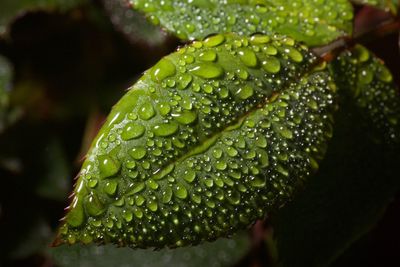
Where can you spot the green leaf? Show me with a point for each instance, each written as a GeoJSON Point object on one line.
{"type": "Point", "coordinates": [313, 22]}
{"type": "Point", "coordinates": [9, 9]}
{"type": "Point", "coordinates": [367, 80]}
{"type": "Point", "coordinates": [5, 86]}
{"type": "Point", "coordinates": [223, 252]}
{"type": "Point", "coordinates": [133, 24]}
{"type": "Point", "coordinates": [387, 5]}
{"type": "Point", "coordinates": [205, 143]}
{"type": "Point", "coordinates": [355, 183]}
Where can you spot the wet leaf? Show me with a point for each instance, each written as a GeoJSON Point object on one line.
{"type": "Point", "coordinates": [366, 79]}
{"type": "Point", "coordinates": [206, 142]}
{"type": "Point", "coordinates": [223, 252]}
{"type": "Point", "coordinates": [313, 22]}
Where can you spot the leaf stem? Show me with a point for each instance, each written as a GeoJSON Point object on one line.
{"type": "Point", "coordinates": [332, 50]}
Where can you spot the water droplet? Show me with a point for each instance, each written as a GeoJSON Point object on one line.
{"type": "Point", "coordinates": [128, 216]}
{"type": "Point", "coordinates": [76, 215]}
{"type": "Point", "coordinates": [132, 131]}
{"type": "Point", "coordinates": [181, 192]}
{"type": "Point", "coordinates": [152, 205]}
{"type": "Point", "coordinates": [365, 75]}
{"type": "Point", "coordinates": [259, 39]}
{"type": "Point", "coordinates": [146, 111]}
{"type": "Point", "coordinates": [165, 129]}
{"type": "Point", "coordinates": [93, 205]}
{"type": "Point", "coordinates": [136, 189]}
{"type": "Point", "coordinates": [110, 188]}
{"type": "Point", "coordinates": [384, 74]}
{"type": "Point", "coordinates": [152, 184]}
{"type": "Point", "coordinates": [189, 176]}
{"type": "Point", "coordinates": [271, 65]}
{"type": "Point", "coordinates": [137, 152]}
{"type": "Point", "coordinates": [161, 173]}
{"type": "Point", "coordinates": [164, 108]}
{"type": "Point", "coordinates": [208, 55]}
{"type": "Point", "coordinates": [248, 57]}
{"type": "Point", "coordinates": [207, 70]}
{"type": "Point", "coordinates": [217, 153]}
{"type": "Point", "coordinates": [185, 117]}
{"type": "Point", "coordinates": [214, 40]}
{"type": "Point", "coordinates": [138, 212]}
{"type": "Point", "coordinates": [107, 166]}
{"type": "Point", "coordinates": [261, 141]}
{"type": "Point", "coordinates": [294, 54]}
{"type": "Point", "coordinates": [167, 195]}
{"type": "Point", "coordinates": [163, 69]}
{"type": "Point", "coordinates": [220, 165]}
{"type": "Point", "coordinates": [245, 92]}
{"type": "Point", "coordinates": [184, 80]}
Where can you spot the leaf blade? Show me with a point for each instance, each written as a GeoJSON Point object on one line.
{"type": "Point", "coordinates": [224, 143]}
{"type": "Point", "coordinates": [312, 22]}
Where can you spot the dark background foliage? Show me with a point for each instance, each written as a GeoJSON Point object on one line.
{"type": "Point", "coordinates": [70, 67]}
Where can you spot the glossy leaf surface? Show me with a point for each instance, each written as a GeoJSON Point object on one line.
{"type": "Point", "coordinates": [369, 82]}
{"type": "Point", "coordinates": [313, 22]}
{"type": "Point", "coordinates": [206, 142]}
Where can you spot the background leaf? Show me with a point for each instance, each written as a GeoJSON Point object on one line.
{"type": "Point", "coordinates": [204, 144]}
{"type": "Point", "coordinates": [370, 83]}
{"type": "Point", "coordinates": [356, 181]}
{"type": "Point", "coordinates": [11, 8]}
{"type": "Point", "coordinates": [313, 22]}
{"type": "Point", "coordinates": [133, 24]}
{"type": "Point", "coordinates": [222, 252]}
{"type": "Point", "coordinates": [5, 87]}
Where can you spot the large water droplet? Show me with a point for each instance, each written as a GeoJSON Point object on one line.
{"type": "Point", "coordinates": [165, 129]}
{"type": "Point", "coordinates": [146, 111]}
{"type": "Point", "coordinates": [189, 176]}
{"type": "Point", "coordinates": [208, 56]}
{"type": "Point", "coordinates": [137, 152]}
{"type": "Point", "coordinates": [245, 92]}
{"type": "Point", "coordinates": [132, 131]}
{"type": "Point", "coordinates": [181, 192]}
{"type": "Point", "coordinates": [214, 40]}
{"type": "Point", "coordinates": [207, 70]}
{"type": "Point", "coordinates": [271, 65]}
{"type": "Point", "coordinates": [108, 166]}
{"type": "Point", "coordinates": [185, 117]}
{"type": "Point", "coordinates": [163, 69]}
{"type": "Point", "coordinates": [248, 57]}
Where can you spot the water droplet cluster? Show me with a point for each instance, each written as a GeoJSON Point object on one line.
{"type": "Point", "coordinates": [313, 22]}
{"type": "Point", "coordinates": [206, 142]}
{"type": "Point", "coordinates": [371, 84]}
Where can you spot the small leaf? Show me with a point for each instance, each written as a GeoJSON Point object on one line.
{"type": "Point", "coordinates": [9, 9]}
{"type": "Point", "coordinates": [222, 140]}
{"type": "Point", "coordinates": [387, 5]}
{"type": "Point", "coordinates": [368, 81]}
{"type": "Point", "coordinates": [313, 22]}
{"type": "Point", "coordinates": [223, 252]}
